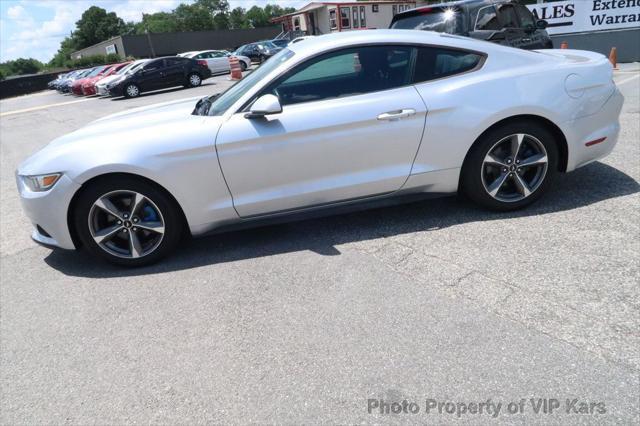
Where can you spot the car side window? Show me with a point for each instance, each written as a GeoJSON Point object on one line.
{"type": "Point", "coordinates": [434, 62]}
{"type": "Point", "coordinates": [346, 72]}
{"type": "Point", "coordinates": [526, 17]}
{"type": "Point", "coordinates": [152, 66]}
{"type": "Point", "coordinates": [507, 14]}
{"type": "Point", "coordinates": [487, 19]}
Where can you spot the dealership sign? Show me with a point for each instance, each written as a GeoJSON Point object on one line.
{"type": "Point", "coordinates": [579, 16]}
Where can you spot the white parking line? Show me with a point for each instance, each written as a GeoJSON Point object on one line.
{"type": "Point", "coordinates": [20, 111]}
{"type": "Point", "coordinates": [626, 80]}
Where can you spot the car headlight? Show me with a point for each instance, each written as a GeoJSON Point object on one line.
{"type": "Point", "coordinates": [41, 183]}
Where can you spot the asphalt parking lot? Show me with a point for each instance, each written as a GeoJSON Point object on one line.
{"type": "Point", "coordinates": [307, 321]}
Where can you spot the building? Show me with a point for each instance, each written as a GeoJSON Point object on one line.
{"type": "Point", "coordinates": [326, 17]}
{"type": "Point", "coordinates": [596, 25]}
{"type": "Point", "coordinates": [165, 44]}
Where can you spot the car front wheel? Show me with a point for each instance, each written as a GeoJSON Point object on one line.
{"type": "Point", "coordinates": [127, 221]}
{"type": "Point", "coordinates": [131, 91]}
{"type": "Point", "coordinates": [511, 166]}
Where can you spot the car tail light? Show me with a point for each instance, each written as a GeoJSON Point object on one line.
{"type": "Point", "coordinates": [202, 62]}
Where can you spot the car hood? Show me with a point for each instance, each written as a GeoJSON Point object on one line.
{"type": "Point", "coordinates": [125, 131]}
{"type": "Point", "coordinates": [109, 79]}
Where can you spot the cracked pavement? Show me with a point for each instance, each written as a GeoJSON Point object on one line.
{"type": "Point", "coordinates": [306, 321]}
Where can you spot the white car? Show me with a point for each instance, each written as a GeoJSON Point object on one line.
{"type": "Point", "coordinates": [217, 60]}
{"type": "Point", "coordinates": [345, 119]}
{"type": "Point", "coordinates": [102, 85]}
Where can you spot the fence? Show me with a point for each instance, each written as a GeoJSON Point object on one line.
{"type": "Point", "coordinates": [16, 86]}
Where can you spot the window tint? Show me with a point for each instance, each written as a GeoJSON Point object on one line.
{"type": "Point", "coordinates": [526, 17]}
{"type": "Point", "coordinates": [346, 72]}
{"type": "Point", "coordinates": [508, 16]}
{"type": "Point", "coordinates": [433, 63]}
{"type": "Point", "coordinates": [153, 65]}
{"type": "Point", "coordinates": [487, 19]}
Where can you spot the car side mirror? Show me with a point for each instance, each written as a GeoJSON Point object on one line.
{"type": "Point", "coordinates": [541, 24]}
{"type": "Point", "coordinates": [264, 105]}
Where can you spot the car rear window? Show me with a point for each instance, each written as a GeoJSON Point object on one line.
{"type": "Point", "coordinates": [439, 19]}
{"type": "Point", "coordinates": [435, 62]}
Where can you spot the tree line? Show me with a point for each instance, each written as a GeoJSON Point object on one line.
{"type": "Point", "coordinates": [96, 25]}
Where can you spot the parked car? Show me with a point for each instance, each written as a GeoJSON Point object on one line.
{"type": "Point", "coordinates": [217, 60]}
{"type": "Point", "coordinates": [258, 52]}
{"type": "Point", "coordinates": [76, 86]}
{"type": "Point", "coordinates": [53, 84]}
{"type": "Point", "coordinates": [501, 21]}
{"type": "Point", "coordinates": [65, 85]}
{"type": "Point", "coordinates": [335, 121]}
{"type": "Point", "coordinates": [89, 83]}
{"type": "Point", "coordinates": [101, 86]}
{"type": "Point", "coordinates": [161, 73]}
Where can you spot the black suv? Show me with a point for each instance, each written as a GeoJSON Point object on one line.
{"type": "Point", "coordinates": [500, 21]}
{"type": "Point", "coordinates": [161, 73]}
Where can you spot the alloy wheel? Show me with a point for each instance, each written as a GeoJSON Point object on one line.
{"type": "Point", "coordinates": [514, 167]}
{"type": "Point", "coordinates": [194, 80]}
{"type": "Point", "coordinates": [132, 91]}
{"type": "Point", "coordinates": [126, 224]}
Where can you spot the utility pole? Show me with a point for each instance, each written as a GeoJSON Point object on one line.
{"type": "Point", "coordinates": [153, 52]}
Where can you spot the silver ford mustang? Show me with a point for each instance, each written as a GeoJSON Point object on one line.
{"type": "Point", "coordinates": [337, 120]}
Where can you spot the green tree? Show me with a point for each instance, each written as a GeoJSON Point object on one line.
{"type": "Point", "coordinates": [193, 18]}
{"type": "Point", "coordinates": [21, 66]}
{"type": "Point", "coordinates": [67, 46]}
{"type": "Point", "coordinates": [237, 19]}
{"type": "Point", "coordinates": [257, 18]}
{"type": "Point", "coordinates": [161, 22]}
{"type": "Point", "coordinates": [96, 25]}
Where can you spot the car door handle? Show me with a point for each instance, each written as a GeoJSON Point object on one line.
{"type": "Point", "coordinates": [396, 115]}
{"type": "Point", "coordinates": [526, 40]}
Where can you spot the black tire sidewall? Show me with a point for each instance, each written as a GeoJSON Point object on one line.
{"type": "Point", "coordinates": [243, 66]}
{"type": "Point", "coordinates": [471, 183]}
{"type": "Point", "coordinates": [174, 224]}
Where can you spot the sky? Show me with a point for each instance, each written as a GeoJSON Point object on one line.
{"type": "Point", "coordinates": [35, 28]}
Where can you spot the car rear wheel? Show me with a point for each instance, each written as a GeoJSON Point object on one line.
{"type": "Point", "coordinates": [131, 91]}
{"type": "Point", "coordinates": [194, 80]}
{"type": "Point", "coordinates": [511, 166]}
{"type": "Point", "coordinates": [243, 66]}
{"type": "Point", "coordinates": [127, 221]}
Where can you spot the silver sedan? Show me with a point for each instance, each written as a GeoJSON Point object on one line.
{"type": "Point", "coordinates": [339, 120]}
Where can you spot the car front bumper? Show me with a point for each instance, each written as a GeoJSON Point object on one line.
{"type": "Point", "coordinates": [48, 210]}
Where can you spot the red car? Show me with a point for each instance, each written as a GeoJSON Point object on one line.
{"type": "Point", "coordinates": [76, 87]}
{"type": "Point", "coordinates": [89, 83]}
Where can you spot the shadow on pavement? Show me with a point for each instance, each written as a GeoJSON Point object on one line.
{"type": "Point", "coordinates": [588, 185]}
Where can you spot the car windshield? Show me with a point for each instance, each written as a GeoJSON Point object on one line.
{"type": "Point", "coordinates": [95, 71]}
{"type": "Point", "coordinates": [220, 104]}
{"type": "Point", "coordinates": [135, 67]}
{"type": "Point", "coordinates": [439, 19]}
{"type": "Point", "coordinates": [125, 68]}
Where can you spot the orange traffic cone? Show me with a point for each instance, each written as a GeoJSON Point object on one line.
{"type": "Point", "coordinates": [564, 45]}
{"type": "Point", "coordinates": [234, 66]}
{"type": "Point", "coordinates": [613, 58]}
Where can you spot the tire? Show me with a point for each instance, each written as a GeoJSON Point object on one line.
{"type": "Point", "coordinates": [194, 80]}
{"type": "Point", "coordinates": [131, 91]}
{"type": "Point", "coordinates": [127, 221]}
{"type": "Point", "coordinates": [495, 178]}
{"type": "Point", "coordinates": [243, 66]}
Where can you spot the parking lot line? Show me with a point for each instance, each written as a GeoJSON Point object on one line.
{"type": "Point", "coordinates": [626, 80]}
{"type": "Point", "coordinates": [20, 111]}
